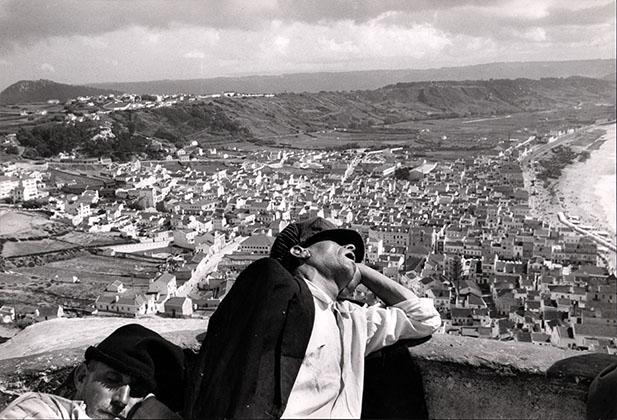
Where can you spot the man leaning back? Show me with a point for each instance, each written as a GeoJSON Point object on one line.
{"type": "Point", "coordinates": [329, 382]}
{"type": "Point", "coordinates": [308, 361]}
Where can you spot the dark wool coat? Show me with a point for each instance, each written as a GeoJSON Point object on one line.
{"type": "Point", "coordinates": [254, 346]}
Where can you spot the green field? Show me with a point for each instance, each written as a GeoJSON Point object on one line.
{"type": "Point", "coordinates": [53, 282]}
{"type": "Point", "coordinates": [91, 239]}
{"type": "Point", "coordinates": [14, 223]}
{"type": "Point", "coordinates": [11, 116]}
{"type": "Point", "coordinates": [40, 246]}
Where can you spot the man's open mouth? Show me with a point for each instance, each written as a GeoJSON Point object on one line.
{"type": "Point", "coordinates": [349, 254]}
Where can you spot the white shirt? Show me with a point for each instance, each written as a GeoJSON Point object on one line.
{"type": "Point", "coordinates": [330, 380]}
{"type": "Point", "coordinates": [38, 405]}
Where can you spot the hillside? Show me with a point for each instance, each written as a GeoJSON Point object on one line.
{"type": "Point", "coordinates": [610, 77]}
{"type": "Point", "coordinates": [371, 117]}
{"type": "Point", "coordinates": [28, 91]}
{"type": "Point", "coordinates": [288, 113]}
{"type": "Point", "coordinates": [364, 80]}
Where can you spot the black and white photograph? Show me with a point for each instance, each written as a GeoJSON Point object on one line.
{"type": "Point", "coordinates": [308, 209]}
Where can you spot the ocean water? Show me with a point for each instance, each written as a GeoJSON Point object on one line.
{"type": "Point", "coordinates": [588, 188]}
{"type": "Point", "coordinates": [606, 183]}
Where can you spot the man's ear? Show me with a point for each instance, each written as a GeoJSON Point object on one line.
{"type": "Point", "coordinates": [79, 378]}
{"type": "Point", "coordinates": [300, 252]}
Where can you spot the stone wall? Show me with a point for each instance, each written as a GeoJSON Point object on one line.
{"type": "Point", "coordinates": [446, 377]}
{"type": "Point", "coordinates": [475, 378]}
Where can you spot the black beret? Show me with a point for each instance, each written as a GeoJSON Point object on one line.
{"type": "Point", "coordinates": [311, 231]}
{"type": "Point", "coordinates": [155, 364]}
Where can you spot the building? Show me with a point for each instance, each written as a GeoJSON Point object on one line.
{"type": "Point", "coordinates": [587, 335]}
{"type": "Point", "coordinates": [115, 287]}
{"type": "Point", "coordinates": [25, 190]}
{"type": "Point", "coordinates": [7, 314]}
{"type": "Point", "coordinates": [441, 297]}
{"type": "Point", "coordinates": [179, 307]}
{"type": "Point", "coordinates": [7, 185]}
{"type": "Point", "coordinates": [47, 312]}
{"type": "Point", "coordinates": [257, 245]}
{"type": "Point", "coordinates": [161, 289]}
{"type": "Point", "coordinates": [132, 305]}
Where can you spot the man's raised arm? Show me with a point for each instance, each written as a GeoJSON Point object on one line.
{"type": "Point", "coordinates": [385, 288]}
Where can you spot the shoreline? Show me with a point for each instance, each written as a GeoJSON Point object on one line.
{"type": "Point", "coordinates": [585, 189]}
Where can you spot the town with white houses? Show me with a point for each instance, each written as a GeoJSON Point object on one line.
{"type": "Point", "coordinates": [458, 232]}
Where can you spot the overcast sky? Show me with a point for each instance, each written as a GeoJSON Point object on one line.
{"type": "Point", "coordinates": [79, 41]}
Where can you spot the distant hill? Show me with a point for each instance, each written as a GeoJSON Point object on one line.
{"type": "Point", "coordinates": [610, 77]}
{"type": "Point", "coordinates": [26, 91]}
{"type": "Point", "coordinates": [379, 114]}
{"type": "Point", "coordinates": [416, 101]}
{"type": "Point", "coordinates": [363, 80]}
{"type": "Point", "coordinates": [289, 113]}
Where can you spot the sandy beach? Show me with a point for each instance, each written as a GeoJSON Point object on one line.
{"type": "Point", "coordinates": [588, 188]}
{"type": "Point", "coordinates": [585, 190]}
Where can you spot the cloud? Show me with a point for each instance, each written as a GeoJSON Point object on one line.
{"type": "Point", "coordinates": [118, 40]}
{"type": "Point", "coordinates": [194, 54]}
{"type": "Point", "coordinates": [519, 20]}
{"type": "Point", "coordinates": [95, 42]}
{"type": "Point", "coordinates": [593, 15]}
{"type": "Point", "coordinates": [25, 22]}
{"type": "Point", "coordinates": [361, 11]}
{"type": "Point", "coordinates": [111, 61]}
{"type": "Point", "coordinates": [48, 68]}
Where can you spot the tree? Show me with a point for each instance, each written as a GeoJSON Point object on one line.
{"type": "Point", "coordinates": [32, 204]}
{"type": "Point", "coordinates": [11, 149]}
{"type": "Point", "coordinates": [31, 153]}
{"type": "Point", "coordinates": [147, 97]}
{"type": "Point", "coordinates": [131, 124]}
{"type": "Point", "coordinates": [456, 272]}
{"type": "Point", "coordinates": [50, 139]}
